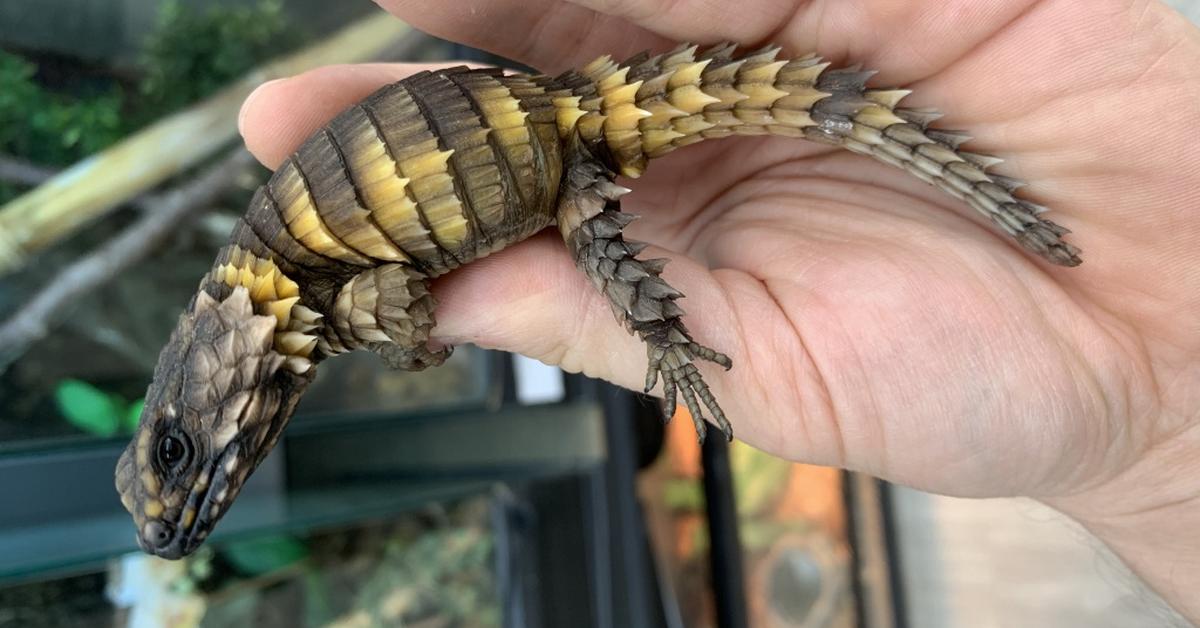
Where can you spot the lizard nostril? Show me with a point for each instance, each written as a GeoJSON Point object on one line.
{"type": "Point", "coordinates": [156, 534]}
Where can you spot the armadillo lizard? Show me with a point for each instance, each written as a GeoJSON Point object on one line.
{"type": "Point", "coordinates": [337, 250]}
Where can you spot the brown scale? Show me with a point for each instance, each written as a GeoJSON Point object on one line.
{"type": "Point", "coordinates": [445, 167]}
{"type": "Point", "coordinates": [263, 220]}
{"type": "Point", "coordinates": [422, 166]}
{"type": "Point", "coordinates": [546, 144]}
{"type": "Point", "coordinates": [337, 250]}
{"type": "Point", "coordinates": [515, 139]}
{"type": "Point", "coordinates": [289, 188]}
{"type": "Point", "coordinates": [498, 173]}
{"type": "Point", "coordinates": [372, 171]}
{"type": "Point", "coordinates": [457, 129]}
{"type": "Point", "coordinates": [338, 202]}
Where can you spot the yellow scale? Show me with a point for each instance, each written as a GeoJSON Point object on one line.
{"type": "Point", "coordinates": [274, 294]}
{"type": "Point", "coordinates": [502, 114]}
{"type": "Point", "coordinates": [758, 95]}
{"type": "Point", "coordinates": [384, 189]}
{"type": "Point", "coordinates": [299, 213]}
{"type": "Point", "coordinates": [429, 178]}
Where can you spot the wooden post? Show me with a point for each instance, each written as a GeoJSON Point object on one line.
{"type": "Point", "coordinates": [96, 185]}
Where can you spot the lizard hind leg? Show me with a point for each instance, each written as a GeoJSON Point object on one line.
{"type": "Point", "coordinates": [590, 220]}
{"type": "Point", "coordinates": [388, 310]}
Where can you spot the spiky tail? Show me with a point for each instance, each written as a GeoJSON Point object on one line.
{"type": "Point", "coordinates": [651, 105]}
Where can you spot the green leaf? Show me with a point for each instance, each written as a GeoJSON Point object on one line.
{"type": "Point", "coordinates": [759, 535]}
{"type": "Point", "coordinates": [193, 53]}
{"type": "Point", "coordinates": [133, 415]}
{"type": "Point", "coordinates": [264, 554]}
{"type": "Point", "coordinates": [88, 408]}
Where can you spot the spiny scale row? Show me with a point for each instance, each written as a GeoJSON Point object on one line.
{"type": "Point", "coordinates": [934, 157]}
{"type": "Point", "coordinates": [379, 305]}
{"type": "Point", "coordinates": [230, 351]}
{"type": "Point", "coordinates": [272, 294]}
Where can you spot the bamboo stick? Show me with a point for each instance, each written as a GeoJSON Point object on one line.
{"type": "Point", "coordinates": [165, 213]}
{"type": "Point", "coordinates": [96, 185]}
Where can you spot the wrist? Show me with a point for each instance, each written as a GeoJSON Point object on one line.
{"type": "Point", "coordinates": [1149, 515]}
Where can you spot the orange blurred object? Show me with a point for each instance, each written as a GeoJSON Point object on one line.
{"type": "Point", "coordinates": [792, 527]}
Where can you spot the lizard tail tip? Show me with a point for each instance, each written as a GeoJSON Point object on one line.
{"type": "Point", "coordinates": [1044, 238]}
{"type": "Point", "coordinates": [1068, 260]}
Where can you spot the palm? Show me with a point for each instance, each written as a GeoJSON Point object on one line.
{"type": "Point", "coordinates": [873, 322]}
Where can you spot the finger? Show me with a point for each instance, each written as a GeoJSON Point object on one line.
{"type": "Point", "coordinates": [703, 21]}
{"type": "Point", "coordinates": [278, 116]}
{"type": "Point", "coordinates": [550, 35]}
{"type": "Point", "coordinates": [907, 41]}
{"type": "Point", "coordinates": [537, 304]}
{"type": "Point", "coordinates": [530, 299]}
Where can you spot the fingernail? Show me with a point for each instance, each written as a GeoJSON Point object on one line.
{"type": "Point", "coordinates": [246, 104]}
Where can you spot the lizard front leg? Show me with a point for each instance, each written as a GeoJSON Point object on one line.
{"type": "Point", "coordinates": [388, 310]}
{"type": "Point", "coordinates": [590, 220]}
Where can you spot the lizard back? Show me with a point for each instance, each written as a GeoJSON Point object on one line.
{"type": "Point", "coordinates": [433, 171]}
{"type": "Point", "coordinates": [447, 166]}
{"type": "Point", "coordinates": [650, 105]}
{"type": "Point", "coordinates": [337, 250]}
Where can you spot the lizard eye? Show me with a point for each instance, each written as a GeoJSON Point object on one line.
{"type": "Point", "coordinates": [173, 450]}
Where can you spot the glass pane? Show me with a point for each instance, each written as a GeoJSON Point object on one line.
{"type": "Point", "coordinates": [435, 567]}
{"type": "Point", "coordinates": [358, 384]}
{"type": "Point", "coordinates": [84, 381]}
{"type": "Point", "coordinates": [69, 518]}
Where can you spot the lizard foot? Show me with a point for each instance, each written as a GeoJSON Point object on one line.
{"type": "Point", "coordinates": [591, 222]}
{"type": "Point", "coordinates": [389, 310]}
{"type": "Point", "coordinates": [410, 358]}
{"type": "Point", "coordinates": [672, 353]}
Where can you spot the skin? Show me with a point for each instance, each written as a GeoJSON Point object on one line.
{"type": "Point", "coordinates": [875, 324]}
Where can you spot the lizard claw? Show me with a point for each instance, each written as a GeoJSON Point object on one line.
{"type": "Point", "coordinates": [410, 358]}
{"type": "Point", "coordinates": [675, 362]}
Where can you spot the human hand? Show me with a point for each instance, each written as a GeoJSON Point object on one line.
{"type": "Point", "coordinates": [874, 323]}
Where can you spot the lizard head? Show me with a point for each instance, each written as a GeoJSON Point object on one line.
{"type": "Point", "coordinates": [221, 396]}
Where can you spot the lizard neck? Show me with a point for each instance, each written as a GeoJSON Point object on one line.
{"type": "Point", "coordinates": [272, 293]}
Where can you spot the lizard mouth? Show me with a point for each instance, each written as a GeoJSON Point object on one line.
{"type": "Point", "coordinates": [203, 508]}
{"type": "Point", "coordinates": [179, 529]}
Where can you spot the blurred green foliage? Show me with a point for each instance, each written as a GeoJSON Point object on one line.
{"type": "Point", "coordinates": [53, 129]}
{"type": "Point", "coordinates": [257, 556]}
{"type": "Point", "coordinates": [191, 54]}
{"type": "Point", "coordinates": [94, 411]}
{"type": "Point", "coordinates": [759, 479]}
